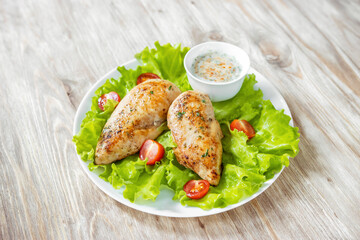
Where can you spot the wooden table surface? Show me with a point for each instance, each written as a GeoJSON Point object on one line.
{"type": "Point", "coordinates": [52, 52]}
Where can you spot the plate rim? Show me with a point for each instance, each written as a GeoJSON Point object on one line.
{"type": "Point", "coordinates": [113, 192]}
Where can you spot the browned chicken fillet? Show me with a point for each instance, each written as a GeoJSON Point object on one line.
{"type": "Point", "coordinates": [197, 134]}
{"type": "Point", "coordinates": [136, 119]}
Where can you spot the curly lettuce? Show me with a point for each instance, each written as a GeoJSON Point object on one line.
{"type": "Point", "coordinates": [247, 164]}
{"type": "Point", "coordinates": [167, 62]}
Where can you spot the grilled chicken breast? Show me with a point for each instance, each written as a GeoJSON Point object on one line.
{"type": "Point", "coordinates": [197, 134]}
{"type": "Point", "coordinates": [135, 119]}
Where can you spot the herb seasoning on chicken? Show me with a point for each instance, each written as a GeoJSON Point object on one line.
{"type": "Point", "coordinates": [197, 134]}
{"type": "Point", "coordinates": [136, 119]}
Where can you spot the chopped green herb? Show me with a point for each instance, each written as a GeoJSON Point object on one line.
{"type": "Point", "coordinates": [203, 101]}
{"type": "Point", "coordinates": [200, 136]}
{"type": "Point", "coordinates": [151, 92]}
{"type": "Point", "coordinates": [207, 153]}
{"type": "Point", "coordinates": [201, 127]}
{"type": "Point", "coordinates": [197, 114]}
{"type": "Point", "coordinates": [202, 118]}
{"type": "Point", "coordinates": [180, 114]}
{"type": "Point", "coordinates": [170, 87]}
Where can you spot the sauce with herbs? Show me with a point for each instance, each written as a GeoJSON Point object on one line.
{"type": "Point", "coordinates": [216, 67]}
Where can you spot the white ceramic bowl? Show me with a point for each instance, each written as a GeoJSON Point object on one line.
{"type": "Point", "coordinates": [217, 91]}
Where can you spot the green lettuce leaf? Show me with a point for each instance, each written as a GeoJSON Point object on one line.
{"type": "Point", "coordinates": [147, 186]}
{"type": "Point", "coordinates": [236, 183]}
{"type": "Point", "coordinates": [177, 176]}
{"type": "Point", "coordinates": [273, 132]}
{"type": "Point", "coordinates": [167, 62]}
{"type": "Point", "coordinates": [90, 130]}
{"type": "Point", "coordinates": [244, 155]}
{"type": "Point", "coordinates": [245, 104]}
{"type": "Point", "coordinates": [166, 140]}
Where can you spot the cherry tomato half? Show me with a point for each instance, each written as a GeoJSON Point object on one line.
{"type": "Point", "coordinates": [196, 189]}
{"type": "Point", "coordinates": [243, 126]}
{"type": "Point", "coordinates": [103, 99]}
{"type": "Point", "coordinates": [146, 76]}
{"type": "Point", "coordinates": [151, 150]}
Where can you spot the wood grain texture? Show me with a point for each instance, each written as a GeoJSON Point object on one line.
{"type": "Point", "coordinates": [53, 51]}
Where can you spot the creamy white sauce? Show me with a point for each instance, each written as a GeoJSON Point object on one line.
{"type": "Point", "coordinates": [215, 67]}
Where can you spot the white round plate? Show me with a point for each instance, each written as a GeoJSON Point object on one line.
{"type": "Point", "coordinates": [164, 205]}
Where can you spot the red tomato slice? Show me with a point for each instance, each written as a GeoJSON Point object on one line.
{"type": "Point", "coordinates": [196, 189]}
{"type": "Point", "coordinates": [151, 150]}
{"type": "Point", "coordinates": [146, 76]}
{"type": "Point", "coordinates": [243, 126]}
{"type": "Point", "coordinates": [103, 99]}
